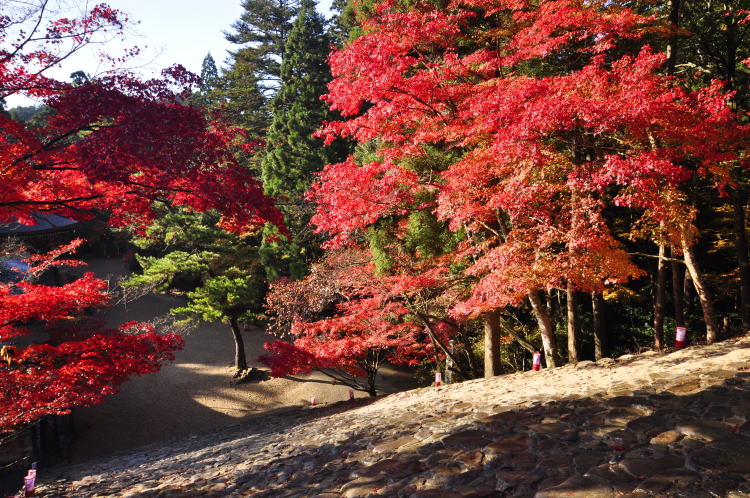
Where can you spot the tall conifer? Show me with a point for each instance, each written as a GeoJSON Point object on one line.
{"type": "Point", "coordinates": [261, 32]}
{"type": "Point", "coordinates": [293, 155]}
{"type": "Point", "coordinates": [209, 73]}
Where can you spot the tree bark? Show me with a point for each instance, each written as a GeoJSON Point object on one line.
{"type": "Point", "coordinates": [704, 295]}
{"type": "Point", "coordinates": [687, 291]}
{"type": "Point", "coordinates": [672, 48]}
{"type": "Point", "coordinates": [661, 296]}
{"type": "Point", "coordinates": [545, 327]}
{"type": "Point", "coordinates": [572, 325]}
{"type": "Point", "coordinates": [677, 292]}
{"type": "Point", "coordinates": [740, 244]}
{"type": "Point", "coordinates": [600, 332]}
{"type": "Point", "coordinates": [240, 362]}
{"type": "Point", "coordinates": [491, 343]}
{"type": "Point", "coordinates": [371, 390]}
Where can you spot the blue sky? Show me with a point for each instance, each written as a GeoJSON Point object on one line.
{"type": "Point", "coordinates": [179, 30]}
{"type": "Point", "coordinates": [168, 32]}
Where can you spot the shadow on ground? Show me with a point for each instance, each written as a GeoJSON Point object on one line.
{"type": "Point", "coordinates": [672, 439]}
{"type": "Point", "coordinates": [196, 393]}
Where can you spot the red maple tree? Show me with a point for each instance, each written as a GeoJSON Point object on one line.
{"type": "Point", "coordinates": [554, 111]}
{"type": "Point", "coordinates": [346, 323]}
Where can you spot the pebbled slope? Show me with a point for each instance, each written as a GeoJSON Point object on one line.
{"type": "Point", "coordinates": [666, 424]}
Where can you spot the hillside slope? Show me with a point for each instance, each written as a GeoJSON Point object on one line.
{"type": "Point", "coordinates": [668, 424]}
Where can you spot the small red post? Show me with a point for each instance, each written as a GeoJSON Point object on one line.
{"type": "Point", "coordinates": [536, 362]}
{"type": "Point", "coordinates": [438, 379]}
{"type": "Point", "coordinates": [313, 401]}
{"type": "Point", "coordinates": [680, 334]}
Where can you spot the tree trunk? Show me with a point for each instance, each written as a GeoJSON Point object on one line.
{"type": "Point", "coordinates": [740, 244]}
{"type": "Point", "coordinates": [672, 48]}
{"type": "Point", "coordinates": [704, 294]}
{"type": "Point", "coordinates": [677, 291]}
{"type": "Point", "coordinates": [572, 325]}
{"type": "Point", "coordinates": [687, 291]}
{"type": "Point", "coordinates": [491, 343]}
{"type": "Point", "coordinates": [661, 296]}
{"type": "Point", "coordinates": [545, 327]}
{"type": "Point", "coordinates": [600, 332]}
{"type": "Point", "coordinates": [466, 347]}
{"type": "Point", "coordinates": [240, 362]}
{"type": "Point", "coordinates": [371, 376]}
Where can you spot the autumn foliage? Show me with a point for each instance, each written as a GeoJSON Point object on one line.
{"type": "Point", "coordinates": [365, 325]}
{"type": "Point", "coordinates": [111, 144]}
{"type": "Point", "coordinates": [547, 116]}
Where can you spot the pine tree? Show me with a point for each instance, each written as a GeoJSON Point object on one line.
{"type": "Point", "coordinates": [293, 155]}
{"type": "Point", "coordinates": [239, 96]}
{"type": "Point", "coordinates": [253, 74]}
{"type": "Point", "coordinates": [342, 23]}
{"type": "Point", "coordinates": [261, 32]}
{"type": "Point", "coordinates": [236, 93]}
{"type": "Point", "coordinates": [220, 270]}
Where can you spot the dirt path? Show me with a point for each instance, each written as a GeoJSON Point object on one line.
{"type": "Point", "coordinates": [195, 393]}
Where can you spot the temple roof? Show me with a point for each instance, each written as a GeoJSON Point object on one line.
{"type": "Point", "coordinates": [44, 223]}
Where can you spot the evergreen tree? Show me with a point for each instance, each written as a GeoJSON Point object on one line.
{"type": "Point", "coordinates": [220, 271]}
{"type": "Point", "coordinates": [236, 93]}
{"type": "Point", "coordinates": [254, 68]}
{"type": "Point", "coordinates": [240, 96]}
{"type": "Point", "coordinates": [293, 155]}
{"type": "Point", "coordinates": [342, 23]}
{"type": "Point", "coordinates": [209, 74]}
{"type": "Point", "coordinates": [261, 32]}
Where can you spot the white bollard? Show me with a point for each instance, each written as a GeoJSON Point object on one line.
{"type": "Point", "coordinates": [536, 362]}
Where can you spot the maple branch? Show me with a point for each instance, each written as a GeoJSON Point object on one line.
{"type": "Point", "coordinates": [489, 229]}
{"type": "Point", "coordinates": [54, 167]}
{"type": "Point", "coordinates": [152, 187]}
{"type": "Point", "coordinates": [501, 224]}
{"type": "Point", "coordinates": [57, 202]}
{"type": "Point", "coordinates": [20, 46]}
{"type": "Point", "coordinates": [440, 344]}
{"type": "Point", "coordinates": [356, 385]}
{"type": "Point", "coordinates": [674, 260]}
{"type": "Point", "coordinates": [49, 144]}
{"type": "Point", "coordinates": [520, 340]}
{"type": "Point", "coordinates": [417, 99]}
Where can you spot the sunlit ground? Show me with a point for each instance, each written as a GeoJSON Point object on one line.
{"type": "Point", "coordinates": [196, 393]}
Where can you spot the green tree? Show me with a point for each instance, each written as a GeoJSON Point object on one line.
{"type": "Point", "coordinates": [293, 155]}
{"type": "Point", "coordinates": [253, 73]}
{"type": "Point", "coordinates": [240, 97]}
{"type": "Point", "coordinates": [342, 23]}
{"type": "Point", "coordinates": [220, 271]}
{"type": "Point", "coordinates": [209, 74]}
{"type": "Point", "coordinates": [261, 32]}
